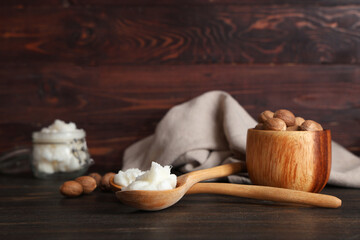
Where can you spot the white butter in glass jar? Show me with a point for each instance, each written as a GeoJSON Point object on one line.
{"type": "Point", "coordinates": [60, 151]}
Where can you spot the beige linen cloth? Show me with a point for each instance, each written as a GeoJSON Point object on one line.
{"type": "Point", "coordinates": [210, 130]}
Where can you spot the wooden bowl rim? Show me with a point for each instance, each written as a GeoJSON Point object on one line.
{"type": "Point", "coordinates": [289, 132]}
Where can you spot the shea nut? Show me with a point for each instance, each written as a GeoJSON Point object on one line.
{"type": "Point", "coordinates": [310, 125]}
{"type": "Point", "coordinates": [105, 181]}
{"type": "Point", "coordinates": [275, 124]}
{"type": "Point", "coordinates": [287, 116]}
{"type": "Point", "coordinates": [71, 189]}
{"type": "Point", "coordinates": [88, 183]}
{"type": "Point", "coordinates": [265, 116]}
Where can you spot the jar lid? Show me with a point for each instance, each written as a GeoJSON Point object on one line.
{"type": "Point", "coordinates": [58, 137]}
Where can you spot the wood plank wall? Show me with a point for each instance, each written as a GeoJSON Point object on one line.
{"type": "Point", "coordinates": [116, 67]}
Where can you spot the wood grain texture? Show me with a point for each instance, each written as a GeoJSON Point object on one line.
{"type": "Point", "coordinates": [87, 3]}
{"type": "Point", "coordinates": [118, 105]}
{"type": "Point", "coordinates": [257, 192]}
{"type": "Point", "coordinates": [34, 209]}
{"type": "Point", "coordinates": [180, 34]}
{"type": "Point", "coordinates": [116, 67]}
{"type": "Point", "coordinates": [158, 200]}
{"type": "Point", "coordinates": [299, 160]}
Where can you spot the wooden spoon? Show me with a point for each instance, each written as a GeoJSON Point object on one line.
{"type": "Point", "coordinates": [268, 193]}
{"type": "Point", "coordinates": [157, 200]}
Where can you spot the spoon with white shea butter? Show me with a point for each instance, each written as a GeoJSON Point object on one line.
{"type": "Point", "coordinates": [153, 200]}
{"type": "Point", "coordinates": [157, 178]}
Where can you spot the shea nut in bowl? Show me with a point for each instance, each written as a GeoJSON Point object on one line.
{"type": "Point", "coordinates": [60, 152]}
{"type": "Point", "coordinates": [299, 160]}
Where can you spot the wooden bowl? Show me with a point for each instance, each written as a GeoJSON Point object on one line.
{"type": "Point", "coordinates": [299, 160]}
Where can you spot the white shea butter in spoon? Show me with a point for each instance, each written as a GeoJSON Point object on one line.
{"type": "Point", "coordinates": [157, 178]}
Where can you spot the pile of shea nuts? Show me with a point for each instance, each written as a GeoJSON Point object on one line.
{"type": "Point", "coordinates": [284, 120]}
{"type": "Point", "coordinates": [86, 184]}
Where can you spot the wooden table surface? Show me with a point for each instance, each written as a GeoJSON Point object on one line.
{"type": "Point", "coordinates": [116, 67]}
{"type": "Point", "coordinates": [34, 209]}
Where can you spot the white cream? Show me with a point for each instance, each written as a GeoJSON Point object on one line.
{"type": "Point", "coordinates": [126, 178]}
{"type": "Point", "coordinates": [59, 131]}
{"type": "Point", "coordinates": [157, 178]}
{"type": "Point", "coordinates": [60, 126]}
{"type": "Point", "coordinates": [61, 147]}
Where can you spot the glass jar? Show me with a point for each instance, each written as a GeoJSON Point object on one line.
{"type": "Point", "coordinates": [60, 155]}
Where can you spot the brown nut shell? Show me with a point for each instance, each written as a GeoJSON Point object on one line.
{"type": "Point", "coordinates": [275, 124]}
{"type": "Point", "coordinates": [265, 115]}
{"type": "Point", "coordinates": [259, 126]}
{"type": "Point", "coordinates": [105, 184]}
{"type": "Point", "coordinates": [293, 128]}
{"type": "Point", "coordinates": [287, 116]}
{"type": "Point", "coordinates": [310, 125]}
{"type": "Point", "coordinates": [299, 121]}
{"type": "Point", "coordinates": [97, 178]}
{"type": "Point", "coordinates": [71, 189]}
{"type": "Point", "coordinates": [88, 183]}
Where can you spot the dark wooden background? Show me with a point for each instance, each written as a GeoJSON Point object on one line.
{"type": "Point", "coordinates": [116, 67]}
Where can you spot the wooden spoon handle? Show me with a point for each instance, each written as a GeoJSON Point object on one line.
{"type": "Point", "coordinates": [267, 193]}
{"type": "Point", "coordinates": [217, 172]}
